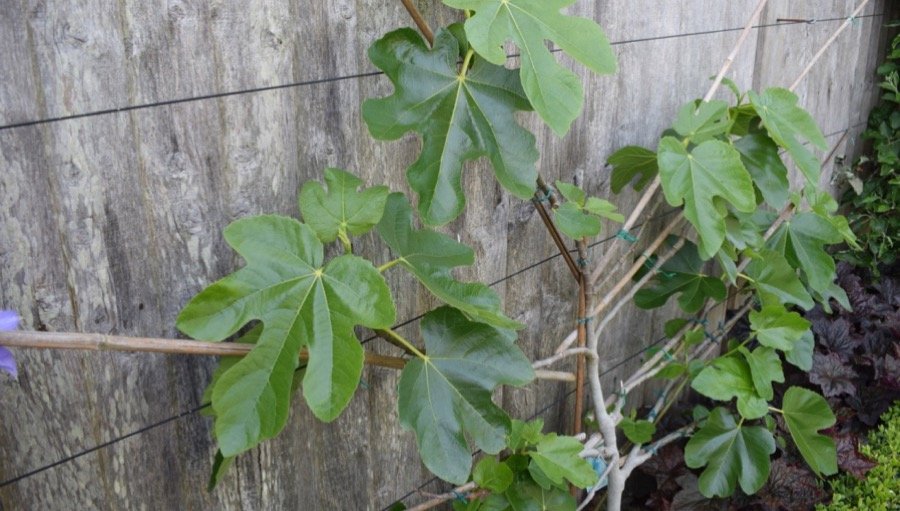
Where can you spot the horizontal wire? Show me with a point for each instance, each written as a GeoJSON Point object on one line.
{"type": "Point", "coordinates": [205, 405]}
{"type": "Point", "coordinates": [320, 81]}
{"type": "Point", "coordinates": [364, 341]}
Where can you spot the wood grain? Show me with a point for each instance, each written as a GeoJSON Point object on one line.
{"type": "Point", "coordinates": [109, 223]}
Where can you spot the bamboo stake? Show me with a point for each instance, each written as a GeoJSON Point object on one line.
{"type": "Point", "coordinates": [100, 342]}
{"type": "Point", "coordinates": [828, 43]}
{"type": "Point", "coordinates": [419, 20]}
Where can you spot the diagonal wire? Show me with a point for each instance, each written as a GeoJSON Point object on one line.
{"type": "Point", "coordinates": [318, 81]}
{"type": "Point", "coordinates": [205, 405]}
{"type": "Point", "coordinates": [364, 341]}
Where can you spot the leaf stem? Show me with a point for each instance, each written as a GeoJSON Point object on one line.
{"type": "Point", "coordinates": [408, 345]}
{"type": "Point", "coordinates": [467, 61]}
{"type": "Point", "coordinates": [776, 410]}
{"type": "Point", "coordinates": [390, 264]}
{"type": "Point", "coordinates": [348, 247]}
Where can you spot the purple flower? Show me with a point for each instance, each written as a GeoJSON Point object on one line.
{"type": "Point", "coordinates": [9, 320]}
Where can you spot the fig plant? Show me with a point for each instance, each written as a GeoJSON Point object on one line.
{"type": "Point", "coordinates": [740, 233]}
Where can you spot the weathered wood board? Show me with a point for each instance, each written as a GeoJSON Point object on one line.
{"type": "Point", "coordinates": [132, 132]}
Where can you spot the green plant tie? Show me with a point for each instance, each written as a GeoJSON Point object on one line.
{"type": "Point", "coordinates": [627, 236]}
{"type": "Point", "coordinates": [545, 199]}
{"type": "Point", "coordinates": [583, 321]}
{"type": "Point", "coordinates": [650, 264]}
{"type": "Point", "coordinates": [582, 262]}
{"type": "Point", "coordinates": [460, 497]}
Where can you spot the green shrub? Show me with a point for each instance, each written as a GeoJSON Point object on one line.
{"type": "Point", "coordinates": [873, 204]}
{"type": "Point", "coordinates": [880, 490]}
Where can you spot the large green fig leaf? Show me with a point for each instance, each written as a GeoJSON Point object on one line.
{"type": "Point", "coordinates": [765, 368]}
{"type": "Point", "coordinates": [555, 92]}
{"type": "Point", "coordinates": [528, 496]}
{"type": "Point", "coordinates": [342, 210]}
{"type": "Point", "coordinates": [802, 240]}
{"type": "Point", "coordinates": [776, 281]}
{"type": "Point", "coordinates": [448, 393]}
{"type": "Point", "coordinates": [300, 303]}
{"type": "Point", "coordinates": [802, 354]}
{"type": "Point", "coordinates": [682, 274]}
{"type": "Point", "coordinates": [731, 453]}
{"type": "Point", "coordinates": [787, 123]}
{"type": "Point", "coordinates": [777, 328]}
{"type": "Point", "coordinates": [760, 155]}
{"type": "Point", "coordinates": [697, 178]}
{"type": "Point", "coordinates": [430, 256]}
{"type": "Point", "coordinates": [557, 458]}
{"type": "Point", "coordinates": [730, 377]}
{"type": "Point", "coordinates": [579, 217]}
{"type": "Point", "coordinates": [805, 413]}
{"type": "Point", "coordinates": [459, 118]}
{"type": "Point", "coordinates": [631, 161]}
{"type": "Point", "coordinates": [699, 122]}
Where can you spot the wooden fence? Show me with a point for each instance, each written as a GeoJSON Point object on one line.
{"type": "Point", "coordinates": [132, 132]}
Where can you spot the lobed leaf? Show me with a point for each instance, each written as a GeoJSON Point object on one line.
{"type": "Point", "coordinates": [697, 178]}
{"type": "Point", "coordinates": [631, 161]}
{"type": "Point", "coordinates": [682, 275]}
{"type": "Point", "coordinates": [430, 256]}
{"type": "Point", "coordinates": [760, 156]}
{"type": "Point", "coordinates": [448, 393]}
{"type": "Point", "coordinates": [805, 413]}
{"type": "Point", "coordinates": [558, 459]}
{"type": "Point", "coordinates": [460, 118]}
{"type": "Point", "coordinates": [342, 209]}
{"type": "Point", "coordinates": [802, 240]}
{"type": "Point", "coordinates": [492, 475]}
{"type": "Point", "coordinates": [702, 121]}
{"type": "Point", "coordinates": [300, 303]}
{"type": "Point", "coordinates": [776, 281]}
{"type": "Point", "coordinates": [555, 92]}
{"type": "Point", "coordinates": [732, 454]}
{"type": "Point", "coordinates": [637, 431]}
{"type": "Point", "coordinates": [765, 368]}
{"type": "Point", "coordinates": [777, 328]}
{"type": "Point", "coordinates": [787, 123]}
{"type": "Point", "coordinates": [727, 378]}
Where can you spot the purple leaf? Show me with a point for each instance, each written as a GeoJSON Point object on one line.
{"type": "Point", "coordinates": [850, 459]}
{"type": "Point", "coordinates": [834, 334]}
{"type": "Point", "coordinates": [830, 373]}
{"type": "Point", "coordinates": [8, 363]}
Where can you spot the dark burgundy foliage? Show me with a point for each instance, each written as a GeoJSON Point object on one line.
{"type": "Point", "coordinates": [850, 460]}
{"type": "Point", "coordinates": [830, 373]}
{"type": "Point", "coordinates": [856, 364]}
{"type": "Point", "coordinates": [857, 359]}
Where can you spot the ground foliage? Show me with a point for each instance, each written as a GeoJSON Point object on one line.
{"type": "Point", "coordinates": [854, 364]}
{"type": "Point", "coordinates": [872, 203]}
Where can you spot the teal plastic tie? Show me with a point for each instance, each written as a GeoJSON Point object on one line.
{"type": "Point", "coordinates": [582, 262]}
{"type": "Point", "coordinates": [627, 236]}
{"type": "Point", "coordinates": [583, 321]}
{"type": "Point", "coordinates": [460, 497]}
{"type": "Point", "coordinates": [547, 196]}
